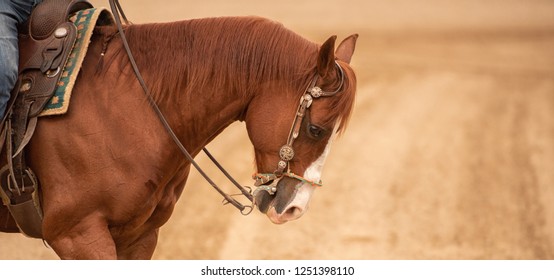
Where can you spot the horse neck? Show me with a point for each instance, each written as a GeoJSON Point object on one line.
{"type": "Point", "coordinates": [198, 115]}
{"type": "Point", "coordinates": [204, 78]}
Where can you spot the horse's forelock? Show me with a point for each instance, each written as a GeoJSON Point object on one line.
{"type": "Point", "coordinates": [343, 103]}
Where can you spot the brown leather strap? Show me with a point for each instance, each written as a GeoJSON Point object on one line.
{"type": "Point", "coordinates": [245, 210]}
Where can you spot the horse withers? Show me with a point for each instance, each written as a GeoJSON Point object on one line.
{"type": "Point", "coordinates": [107, 168]}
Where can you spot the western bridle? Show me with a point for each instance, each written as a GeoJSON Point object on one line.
{"type": "Point", "coordinates": [286, 152]}
{"type": "Point", "coordinates": [268, 181]}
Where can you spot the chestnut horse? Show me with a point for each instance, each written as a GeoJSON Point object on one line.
{"type": "Point", "coordinates": [110, 174]}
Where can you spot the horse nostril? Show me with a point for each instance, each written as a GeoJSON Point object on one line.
{"type": "Point", "coordinates": [263, 200]}
{"type": "Point", "coordinates": [292, 213]}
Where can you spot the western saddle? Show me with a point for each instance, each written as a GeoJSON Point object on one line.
{"type": "Point", "coordinates": [45, 41]}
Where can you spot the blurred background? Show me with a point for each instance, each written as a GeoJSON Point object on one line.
{"type": "Point", "coordinates": [449, 153]}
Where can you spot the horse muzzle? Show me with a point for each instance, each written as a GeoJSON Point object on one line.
{"type": "Point", "coordinates": [284, 199]}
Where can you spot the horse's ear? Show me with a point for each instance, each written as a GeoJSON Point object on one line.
{"type": "Point", "coordinates": [346, 48]}
{"type": "Point", "coordinates": [326, 57]}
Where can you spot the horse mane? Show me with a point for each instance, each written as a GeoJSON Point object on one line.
{"type": "Point", "coordinates": [223, 53]}
{"type": "Point", "coordinates": [227, 53]}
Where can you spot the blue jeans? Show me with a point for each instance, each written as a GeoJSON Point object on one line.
{"type": "Point", "coordinates": [12, 13]}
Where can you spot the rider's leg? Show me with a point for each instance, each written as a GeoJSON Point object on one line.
{"type": "Point", "coordinates": [12, 13]}
{"type": "Point", "coordinates": [8, 54]}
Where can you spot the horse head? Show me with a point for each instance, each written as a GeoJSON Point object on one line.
{"type": "Point", "coordinates": [292, 134]}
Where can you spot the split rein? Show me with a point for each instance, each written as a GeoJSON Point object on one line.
{"type": "Point", "coordinates": [263, 181]}
{"type": "Point", "coordinates": [117, 12]}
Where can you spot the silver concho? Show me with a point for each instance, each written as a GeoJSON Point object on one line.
{"type": "Point", "coordinates": [25, 86]}
{"type": "Point", "coordinates": [316, 92]}
{"type": "Point", "coordinates": [286, 153]}
{"type": "Point", "coordinates": [60, 32]}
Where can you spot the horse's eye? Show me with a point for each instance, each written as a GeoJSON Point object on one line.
{"type": "Point", "coordinates": [315, 131]}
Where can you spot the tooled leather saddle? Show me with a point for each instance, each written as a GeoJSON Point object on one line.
{"type": "Point", "coordinates": [45, 42]}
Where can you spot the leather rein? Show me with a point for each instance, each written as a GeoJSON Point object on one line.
{"type": "Point", "coordinates": [118, 13]}
{"type": "Point", "coordinates": [263, 181]}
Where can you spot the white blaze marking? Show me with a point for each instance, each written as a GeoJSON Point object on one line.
{"type": "Point", "coordinates": [304, 193]}
{"type": "Point", "coordinates": [312, 173]}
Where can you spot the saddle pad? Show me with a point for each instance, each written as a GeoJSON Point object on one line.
{"type": "Point", "coordinates": [85, 21]}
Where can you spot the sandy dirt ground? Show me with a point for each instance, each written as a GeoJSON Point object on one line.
{"type": "Point", "coordinates": [449, 154]}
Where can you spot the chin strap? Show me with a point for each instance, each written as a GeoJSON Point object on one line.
{"type": "Point", "coordinates": [268, 182]}
{"type": "Point", "coordinates": [264, 178]}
